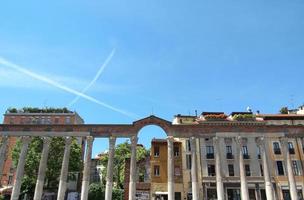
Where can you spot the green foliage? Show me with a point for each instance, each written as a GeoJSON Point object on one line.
{"type": "Point", "coordinates": [97, 192]}
{"type": "Point", "coordinates": [54, 162]}
{"type": "Point", "coordinates": [284, 110]}
{"type": "Point", "coordinates": [38, 110]}
{"type": "Point", "coordinates": [1, 197]}
{"type": "Point", "coordinates": [241, 117]}
{"type": "Point", "coordinates": [122, 152]}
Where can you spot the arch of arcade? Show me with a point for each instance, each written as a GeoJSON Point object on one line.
{"type": "Point", "coordinates": [241, 130]}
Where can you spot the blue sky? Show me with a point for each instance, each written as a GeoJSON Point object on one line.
{"type": "Point", "coordinates": [170, 56]}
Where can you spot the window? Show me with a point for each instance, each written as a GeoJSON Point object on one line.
{"type": "Point", "coordinates": [291, 148]}
{"type": "Point", "coordinates": [231, 170]}
{"type": "Point", "coordinates": [188, 161]}
{"type": "Point", "coordinates": [12, 119]}
{"type": "Point", "coordinates": [177, 171]}
{"type": "Point", "coordinates": [176, 151]}
{"type": "Point", "coordinates": [229, 152]}
{"type": "Point", "coordinates": [211, 170]}
{"type": "Point", "coordinates": [156, 151]}
{"type": "Point", "coordinates": [57, 120]}
{"type": "Point", "coordinates": [295, 168]}
{"type": "Point", "coordinates": [156, 170]}
{"type": "Point", "coordinates": [261, 170]}
{"type": "Point", "coordinates": [210, 152]}
{"type": "Point", "coordinates": [276, 148]}
{"type": "Point", "coordinates": [259, 153]}
{"type": "Point", "coordinates": [245, 152]}
{"type": "Point", "coordinates": [247, 170]}
{"type": "Point", "coordinates": [188, 145]}
{"type": "Point", "coordinates": [280, 168]}
{"type": "Point", "coordinates": [67, 120]}
{"type": "Point", "coordinates": [10, 180]}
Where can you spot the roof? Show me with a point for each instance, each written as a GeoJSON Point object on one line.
{"type": "Point", "coordinates": [189, 116]}
{"type": "Point", "coordinates": [212, 113]}
{"type": "Point", "coordinates": [281, 116]}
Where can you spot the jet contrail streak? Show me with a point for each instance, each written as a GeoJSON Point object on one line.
{"type": "Point", "coordinates": [84, 90]}
{"type": "Point", "coordinates": [62, 87]}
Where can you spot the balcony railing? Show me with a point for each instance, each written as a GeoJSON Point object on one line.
{"type": "Point", "coordinates": [229, 156]}
{"type": "Point", "coordinates": [292, 151]}
{"type": "Point", "coordinates": [210, 156]}
{"type": "Point", "coordinates": [246, 156]}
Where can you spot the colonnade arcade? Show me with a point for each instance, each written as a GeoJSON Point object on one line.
{"type": "Point", "coordinates": [89, 132]}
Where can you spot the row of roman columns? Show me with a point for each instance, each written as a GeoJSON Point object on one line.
{"type": "Point", "coordinates": [132, 184]}
{"type": "Point", "coordinates": [43, 166]}
{"type": "Point", "coordinates": [267, 176]}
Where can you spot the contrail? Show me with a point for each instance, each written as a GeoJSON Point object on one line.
{"type": "Point", "coordinates": [63, 87]}
{"type": "Point", "coordinates": [84, 90]}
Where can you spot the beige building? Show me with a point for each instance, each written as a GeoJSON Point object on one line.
{"type": "Point", "coordinates": [225, 170]}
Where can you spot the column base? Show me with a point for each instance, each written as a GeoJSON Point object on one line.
{"type": "Point", "coordinates": [132, 190]}
{"type": "Point", "coordinates": [108, 192]}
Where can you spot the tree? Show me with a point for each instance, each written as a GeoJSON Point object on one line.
{"type": "Point", "coordinates": [55, 158]}
{"type": "Point", "coordinates": [284, 110]}
{"type": "Point", "coordinates": [122, 152]}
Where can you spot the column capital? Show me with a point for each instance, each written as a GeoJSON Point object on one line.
{"type": "Point", "coordinates": [215, 139]}
{"type": "Point", "coordinates": [240, 140]}
{"type": "Point", "coordinates": [260, 141]}
{"type": "Point", "coordinates": [46, 140]}
{"type": "Point", "coordinates": [68, 140]}
{"type": "Point", "coordinates": [90, 139]}
{"type": "Point", "coordinates": [134, 139]}
{"type": "Point", "coordinates": [171, 139]}
{"type": "Point", "coordinates": [26, 139]}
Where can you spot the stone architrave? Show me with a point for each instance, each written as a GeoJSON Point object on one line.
{"type": "Point", "coordinates": [244, 186]}
{"type": "Point", "coordinates": [42, 168]}
{"type": "Point", "coordinates": [170, 141]}
{"type": "Point", "coordinates": [3, 148]}
{"type": "Point", "coordinates": [20, 168]}
{"type": "Point", "coordinates": [194, 176]}
{"type": "Point", "coordinates": [288, 164]}
{"type": "Point", "coordinates": [267, 178]}
{"type": "Point", "coordinates": [218, 170]}
{"type": "Point", "coordinates": [132, 183]}
{"type": "Point", "coordinates": [64, 169]}
{"type": "Point", "coordinates": [109, 177]}
{"type": "Point", "coordinates": [87, 169]}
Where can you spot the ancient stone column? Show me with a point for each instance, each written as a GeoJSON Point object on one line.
{"type": "Point", "coordinates": [87, 169]}
{"type": "Point", "coordinates": [218, 169]}
{"type": "Point", "coordinates": [132, 183]}
{"type": "Point", "coordinates": [267, 178]}
{"type": "Point", "coordinates": [291, 178]}
{"type": "Point", "coordinates": [194, 177]}
{"type": "Point", "coordinates": [20, 168]}
{"type": "Point", "coordinates": [64, 169]}
{"type": "Point", "coordinates": [170, 164]}
{"type": "Point", "coordinates": [3, 148]}
{"type": "Point", "coordinates": [109, 178]}
{"type": "Point", "coordinates": [244, 186]}
{"type": "Point", "coordinates": [42, 168]}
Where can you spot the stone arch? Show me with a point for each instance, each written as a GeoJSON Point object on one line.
{"type": "Point", "coordinates": [153, 120]}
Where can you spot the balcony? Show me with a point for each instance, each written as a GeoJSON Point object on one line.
{"type": "Point", "coordinates": [246, 156]}
{"type": "Point", "coordinates": [277, 151]}
{"type": "Point", "coordinates": [229, 156]}
{"type": "Point", "coordinates": [291, 151]}
{"type": "Point", "coordinates": [210, 156]}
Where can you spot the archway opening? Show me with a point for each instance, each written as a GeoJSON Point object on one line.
{"type": "Point", "coordinates": [150, 132]}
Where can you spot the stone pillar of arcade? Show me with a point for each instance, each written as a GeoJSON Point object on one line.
{"type": "Point", "coordinates": [244, 186]}
{"type": "Point", "coordinates": [170, 141]}
{"type": "Point", "coordinates": [86, 169]}
{"type": "Point", "coordinates": [109, 178]}
{"type": "Point", "coordinates": [132, 183]}
{"type": "Point", "coordinates": [267, 177]}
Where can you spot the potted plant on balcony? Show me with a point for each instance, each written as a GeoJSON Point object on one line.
{"type": "Point", "coordinates": [215, 117]}
{"type": "Point", "coordinates": [244, 117]}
